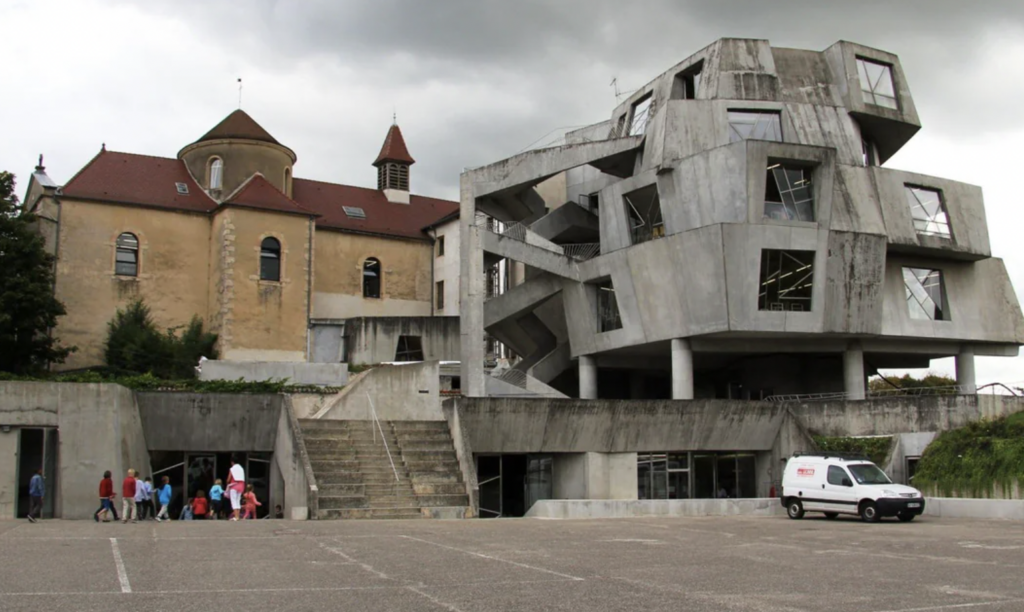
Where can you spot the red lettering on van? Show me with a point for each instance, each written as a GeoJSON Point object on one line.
{"type": "Point", "coordinates": [805, 472]}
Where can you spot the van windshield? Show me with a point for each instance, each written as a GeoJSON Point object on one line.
{"type": "Point", "coordinates": [869, 474]}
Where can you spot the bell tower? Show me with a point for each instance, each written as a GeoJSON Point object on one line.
{"type": "Point", "coordinates": [393, 167]}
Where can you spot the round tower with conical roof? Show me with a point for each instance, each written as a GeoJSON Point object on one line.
{"type": "Point", "coordinates": [235, 149]}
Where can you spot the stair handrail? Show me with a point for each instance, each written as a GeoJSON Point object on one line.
{"type": "Point", "coordinates": [375, 420]}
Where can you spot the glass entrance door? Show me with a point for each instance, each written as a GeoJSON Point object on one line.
{"type": "Point", "coordinates": [538, 479]}
{"type": "Point", "coordinates": [200, 472]}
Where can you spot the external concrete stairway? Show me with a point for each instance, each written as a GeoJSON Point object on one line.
{"type": "Point", "coordinates": [356, 480]}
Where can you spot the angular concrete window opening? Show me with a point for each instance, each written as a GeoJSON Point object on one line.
{"type": "Point", "coordinates": [754, 125]}
{"type": "Point", "coordinates": [643, 208]}
{"type": "Point", "coordinates": [270, 260]}
{"type": "Point", "coordinates": [216, 173]}
{"type": "Point", "coordinates": [371, 278]}
{"type": "Point", "coordinates": [608, 318]}
{"type": "Point", "coordinates": [439, 292]}
{"type": "Point", "coordinates": [126, 259]}
{"type": "Point", "coordinates": [876, 83]}
{"type": "Point", "coordinates": [788, 195]}
{"type": "Point", "coordinates": [787, 279]}
{"type": "Point", "coordinates": [926, 294]}
{"type": "Point", "coordinates": [687, 83]}
{"type": "Point", "coordinates": [869, 152]}
{"type": "Point", "coordinates": [640, 116]}
{"type": "Point", "coordinates": [410, 348]}
{"type": "Point", "coordinates": [928, 211]}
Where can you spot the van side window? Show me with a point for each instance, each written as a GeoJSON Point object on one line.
{"type": "Point", "coordinates": [836, 475]}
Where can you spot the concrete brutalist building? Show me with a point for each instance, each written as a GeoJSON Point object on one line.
{"type": "Point", "coordinates": [729, 233]}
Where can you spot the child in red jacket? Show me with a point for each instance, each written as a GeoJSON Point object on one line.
{"type": "Point", "coordinates": [249, 503]}
{"type": "Point", "coordinates": [200, 506]}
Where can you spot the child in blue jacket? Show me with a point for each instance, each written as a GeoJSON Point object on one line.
{"type": "Point", "coordinates": [165, 500]}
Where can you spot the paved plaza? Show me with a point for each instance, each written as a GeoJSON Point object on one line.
{"type": "Point", "coordinates": [745, 564]}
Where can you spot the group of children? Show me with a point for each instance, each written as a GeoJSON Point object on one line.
{"type": "Point", "coordinates": [138, 497]}
{"type": "Point", "coordinates": [199, 507]}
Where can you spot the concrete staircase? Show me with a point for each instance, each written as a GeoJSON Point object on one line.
{"type": "Point", "coordinates": [355, 478]}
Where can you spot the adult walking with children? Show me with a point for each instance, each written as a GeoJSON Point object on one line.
{"type": "Point", "coordinates": [236, 487]}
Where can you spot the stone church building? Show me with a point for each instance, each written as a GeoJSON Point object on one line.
{"type": "Point", "coordinates": [226, 232]}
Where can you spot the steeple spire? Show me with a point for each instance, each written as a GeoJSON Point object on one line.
{"type": "Point", "coordinates": [393, 165]}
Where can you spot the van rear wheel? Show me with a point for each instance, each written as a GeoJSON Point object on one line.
{"type": "Point", "coordinates": [795, 509]}
{"type": "Point", "coordinates": [831, 515]}
{"type": "Point", "coordinates": [869, 512]}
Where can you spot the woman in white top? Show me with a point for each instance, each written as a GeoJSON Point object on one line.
{"type": "Point", "coordinates": [236, 486]}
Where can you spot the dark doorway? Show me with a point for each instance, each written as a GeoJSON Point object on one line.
{"type": "Point", "coordinates": [30, 459]}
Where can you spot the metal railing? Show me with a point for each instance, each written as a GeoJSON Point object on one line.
{"type": "Point", "coordinates": [876, 393]}
{"type": "Point", "coordinates": [513, 377]}
{"type": "Point", "coordinates": [376, 421]}
{"type": "Point", "coordinates": [517, 231]}
{"type": "Point", "coordinates": [583, 251]}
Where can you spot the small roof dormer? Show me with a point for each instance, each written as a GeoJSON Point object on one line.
{"type": "Point", "coordinates": [393, 167]}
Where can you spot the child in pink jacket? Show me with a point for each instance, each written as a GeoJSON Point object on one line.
{"type": "Point", "coordinates": [249, 503]}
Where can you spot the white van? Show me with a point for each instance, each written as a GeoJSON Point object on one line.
{"type": "Point", "coordinates": [837, 484]}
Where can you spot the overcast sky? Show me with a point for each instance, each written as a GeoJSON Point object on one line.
{"type": "Point", "coordinates": [474, 81]}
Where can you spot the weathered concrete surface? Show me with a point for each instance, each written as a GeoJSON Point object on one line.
{"type": "Point", "coordinates": [523, 425]}
{"type": "Point", "coordinates": [949, 507]}
{"type": "Point", "coordinates": [214, 422]}
{"type": "Point", "coordinates": [99, 429]}
{"type": "Point", "coordinates": [594, 476]}
{"type": "Point", "coordinates": [897, 415]}
{"type": "Point", "coordinates": [326, 374]}
{"type": "Point", "coordinates": [374, 340]}
{"type": "Point", "coordinates": [464, 453]}
{"type": "Point", "coordinates": [696, 564]}
{"type": "Point", "coordinates": [618, 508]}
{"type": "Point", "coordinates": [291, 465]}
{"type": "Point", "coordinates": [407, 392]}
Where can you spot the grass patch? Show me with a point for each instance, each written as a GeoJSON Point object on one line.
{"type": "Point", "coordinates": [977, 460]}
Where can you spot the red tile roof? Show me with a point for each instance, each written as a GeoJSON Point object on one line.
{"type": "Point", "coordinates": [382, 217]}
{"type": "Point", "coordinates": [142, 180]}
{"type": "Point", "coordinates": [128, 178]}
{"type": "Point", "coordinates": [238, 125]}
{"type": "Point", "coordinates": [394, 148]}
{"type": "Point", "coordinates": [257, 192]}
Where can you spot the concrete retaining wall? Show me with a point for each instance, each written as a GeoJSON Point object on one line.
{"type": "Point", "coordinates": [99, 428]}
{"type": "Point", "coordinates": [949, 507]}
{"type": "Point", "coordinates": [612, 508]}
{"type": "Point", "coordinates": [408, 392]}
{"type": "Point", "coordinates": [326, 374]}
{"type": "Point", "coordinates": [215, 422]}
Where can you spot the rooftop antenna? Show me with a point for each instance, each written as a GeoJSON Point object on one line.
{"type": "Point", "coordinates": [618, 93]}
{"type": "Point", "coordinates": [394, 116]}
{"type": "Point", "coordinates": [239, 93]}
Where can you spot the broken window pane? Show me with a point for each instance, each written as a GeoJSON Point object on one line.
{"type": "Point", "coordinates": [607, 308]}
{"type": "Point", "coordinates": [928, 211]}
{"type": "Point", "coordinates": [410, 348]}
{"type": "Point", "coordinates": [925, 294]}
{"type": "Point", "coordinates": [788, 195]}
{"type": "Point", "coordinates": [643, 208]}
{"type": "Point", "coordinates": [876, 83]}
{"type": "Point", "coordinates": [641, 115]}
{"type": "Point", "coordinates": [371, 278]}
{"type": "Point", "coordinates": [744, 125]}
{"type": "Point", "coordinates": [786, 280]}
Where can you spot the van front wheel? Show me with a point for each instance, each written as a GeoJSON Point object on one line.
{"type": "Point", "coordinates": [795, 509]}
{"type": "Point", "coordinates": [869, 512]}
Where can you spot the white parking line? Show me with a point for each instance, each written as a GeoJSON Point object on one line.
{"type": "Point", "coordinates": [483, 556]}
{"type": "Point", "coordinates": [122, 574]}
{"type": "Point", "coordinates": [961, 606]}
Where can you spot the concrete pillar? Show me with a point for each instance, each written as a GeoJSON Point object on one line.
{"type": "Point", "coordinates": [682, 369]}
{"type": "Point", "coordinates": [965, 376]}
{"type": "Point", "coordinates": [853, 371]}
{"type": "Point", "coordinates": [588, 377]}
{"type": "Point", "coordinates": [471, 294]}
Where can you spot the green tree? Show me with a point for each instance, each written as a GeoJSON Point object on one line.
{"type": "Point", "coordinates": [28, 308]}
{"type": "Point", "coordinates": [135, 344]}
{"type": "Point", "coordinates": [891, 383]}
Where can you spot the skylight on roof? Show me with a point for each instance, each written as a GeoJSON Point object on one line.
{"type": "Point", "coordinates": [354, 212]}
{"type": "Point", "coordinates": [182, 188]}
